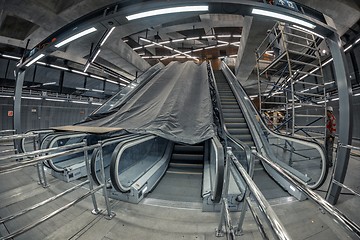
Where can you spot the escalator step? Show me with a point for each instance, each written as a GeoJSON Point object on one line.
{"type": "Point", "coordinates": [239, 131]}
{"type": "Point", "coordinates": [243, 137]}
{"type": "Point", "coordinates": [236, 125]}
{"type": "Point", "coordinates": [233, 115]}
{"type": "Point", "coordinates": [229, 106]}
{"type": "Point", "coordinates": [188, 149]}
{"type": "Point", "coordinates": [187, 158]}
{"type": "Point", "coordinates": [234, 120]}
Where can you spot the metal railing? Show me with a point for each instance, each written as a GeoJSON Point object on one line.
{"type": "Point", "coordinates": [11, 167]}
{"type": "Point", "coordinates": [333, 181]}
{"type": "Point", "coordinates": [272, 220]}
{"type": "Point", "coordinates": [343, 221]}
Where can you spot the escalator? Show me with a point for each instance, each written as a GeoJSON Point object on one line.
{"type": "Point", "coordinates": [233, 116]}
{"type": "Point", "coordinates": [183, 179]}
{"type": "Point", "coordinates": [242, 122]}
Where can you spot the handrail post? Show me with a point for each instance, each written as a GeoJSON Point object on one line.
{"type": "Point", "coordinates": [238, 229]}
{"type": "Point", "coordinates": [96, 210]}
{"type": "Point", "coordinates": [219, 232]}
{"type": "Point", "coordinates": [110, 214]}
{"type": "Point", "coordinates": [39, 166]}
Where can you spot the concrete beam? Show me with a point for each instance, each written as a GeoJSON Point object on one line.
{"type": "Point", "coordinates": [253, 33]}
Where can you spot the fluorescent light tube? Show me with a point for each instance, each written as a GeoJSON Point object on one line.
{"type": "Point", "coordinates": [210, 47]}
{"type": "Point", "coordinates": [121, 79]}
{"type": "Point", "coordinates": [145, 40]}
{"type": "Point", "coordinates": [82, 89]}
{"type": "Point", "coordinates": [283, 17]}
{"type": "Point", "coordinates": [346, 49]}
{"type": "Point", "coordinates": [178, 40]}
{"type": "Point", "coordinates": [192, 38]}
{"type": "Point", "coordinates": [94, 76]}
{"type": "Point", "coordinates": [206, 37]}
{"type": "Point", "coordinates": [12, 57]}
{"type": "Point", "coordinates": [78, 72]}
{"type": "Point", "coordinates": [224, 36]}
{"type": "Point", "coordinates": [137, 48]}
{"type": "Point", "coordinates": [33, 98]}
{"type": "Point", "coordinates": [327, 62]}
{"type": "Point", "coordinates": [110, 81]}
{"type": "Point", "coordinates": [196, 50]}
{"type": "Point", "coordinates": [54, 100]}
{"type": "Point", "coordinates": [49, 83]}
{"type": "Point", "coordinates": [306, 30]}
{"type": "Point", "coordinates": [357, 41]}
{"type": "Point", "coordinates": [167, 11]}
{"type": "Point", "coordinates": [76, 36]}
{"type": "Point", "coordinates": [79, 102]}
{"type": "Point", "coordinates": [236, 36]}
{"type": "Point", "coordinates": [97, 53]}
{"type": "Point", "coordinates": [58, 67]}
{"type": "Point", "coordinates": [41, 63]}
{"type": "Point", "coordinates": [35, 59]}
{"type": "Point", "coordinates": [97, 90]}
{"type": "Point", "coordinates": [107, 36]}
{"type": "Point", "coordinates": [165, 42]}
{"type": "Point", "coordinates": [121, 84]}
{"type": "Point", "coordinates": [98, 104]}
{"type": "Point", "coordinates": [86, 67]}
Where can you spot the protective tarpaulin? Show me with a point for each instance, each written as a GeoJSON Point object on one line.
{"type": "Point", "coordinates": [175, 105]}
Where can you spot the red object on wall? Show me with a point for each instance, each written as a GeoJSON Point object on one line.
{"type": "Point", "coordinates": [10, 113]}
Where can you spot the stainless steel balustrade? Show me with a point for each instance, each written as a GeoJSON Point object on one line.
{"type": "Point", "coordinates": [19, 165]}
{"type": "Point", "coordinates": [343, 221]}
{"type": "Point", "coordinates": [273, 221]}
{"type": "Point", "coordinates": [35, 141]}
{"type": "Point", "coordinates": [40, 133]}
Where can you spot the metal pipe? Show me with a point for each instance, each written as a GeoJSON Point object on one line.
{"type": "Point", "coordinates": [22, 212]}
{"type": "Point", "coordinates": [346, 187]}
{"type": "Point", "coordinates": [6, 131]}
{"type": "Point", "coordinates": [38, 152]}
{"type": "Point", "coordinates": [338, 216]}
{"type": "Point", "coordinates": [43, 219]}
{"type": "Point", "coordinates": [17, 166]}
{"type": "Point", "coordinates": [90, 180]}
{"type": "Point", "coordinates": [229, 226]}
{"type": "Point", "coordinates": [17, 136]}
{"type": "Point", "coordinates": [276, 226]}
{"type": "Point", "coordinates": [349, 146]}
{"type": "Point", "coordinates": [256, 219]}
{"type": "Point", "coordinates": [102, 172]}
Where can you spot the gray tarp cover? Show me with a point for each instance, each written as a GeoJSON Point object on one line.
{"type": "Point", "coordinates": [175, 105]}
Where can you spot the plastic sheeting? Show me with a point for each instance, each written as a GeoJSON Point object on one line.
{"type": "Point", "coordinates": [175, 105]}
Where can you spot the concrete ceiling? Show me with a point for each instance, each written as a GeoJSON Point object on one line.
{"type": "Point", "coordinates": [21, 20]}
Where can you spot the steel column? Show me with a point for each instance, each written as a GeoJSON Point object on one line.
{"type": "Point", "coordinates": [345, 126]}
{"type": "Point", "coordinates": [20, 76]}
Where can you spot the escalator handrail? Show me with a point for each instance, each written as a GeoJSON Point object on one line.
{"type": "Point", "coordinates": [103, 144]}
{"type": "Point", "coordinates": [49, 161]}
{"type": "Point", "coordinates": [115, 159]}
{"type": "Point", "coordinates": [219, 170]}
{"type": "Point", "coordinates": [39, 131]}
{"type": "Point", "coordinates": [232, 78]}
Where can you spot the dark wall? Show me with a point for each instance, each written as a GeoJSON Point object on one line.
{"type": "Point", "coordinates": [41, 114]}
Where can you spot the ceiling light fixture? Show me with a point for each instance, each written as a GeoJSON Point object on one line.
{"type": "Point", "coordinates": [306, 30]}
{"type": "Point", "coordinates": [76, 36]}
{"type": "Point", "coordinates": [224, 36]}
{"type": "Point", "coordinates": [167, 11]}
{"type": "Point", "coordinates": [97, 53]}
{"type": "Point", "coordinates": [78, 72]}
{"type": "Point", "coordinates": [192, 38]}
{"type": "Point", "coordinates": [94, 76]}
{"type": "Point", "coordinates": [86, 67]}
{"type": "Point", "coordinates": [58, 67]}
{"type": "Point", "coordinates": [283, 17]}
{"type": "Point", "coordinates": [346, 49]}
{"type": "Point", "coordinates": [107, 36]}
{"type": "Point", "coordinates": [111, 81]}
{"type": "Point", "coordinates": [34, 60]}
{"type": "Point", "coordinates": [12, 57]}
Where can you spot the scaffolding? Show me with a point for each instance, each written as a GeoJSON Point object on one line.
{"type": "Point", "coordinates": [290, 82]}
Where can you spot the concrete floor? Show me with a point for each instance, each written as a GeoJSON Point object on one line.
{"type": "Point", "coordinates": [153, 218]}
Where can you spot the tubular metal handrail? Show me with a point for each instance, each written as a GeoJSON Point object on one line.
{"type": "Point", "coordinates": [7, 131]}
{"type": "Point", "coordinates": [219, 170]}
{"type": "Point", "coordinates": [43, 151]}
{"type": "Point", "coordinates": [335, 213]}
{"type": "Point", "coordinates": [114, 166]}
{"type": "Point", "coordinates": [333, 181]}
{"type": "Point", "coordinates": [14, 167]}
{"type": "Point", "coordinates": [17, 136]}
{"type": "Point", "coordinates": [19, 165]}
{"type": "Point", "coordinates": [273, 221]}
